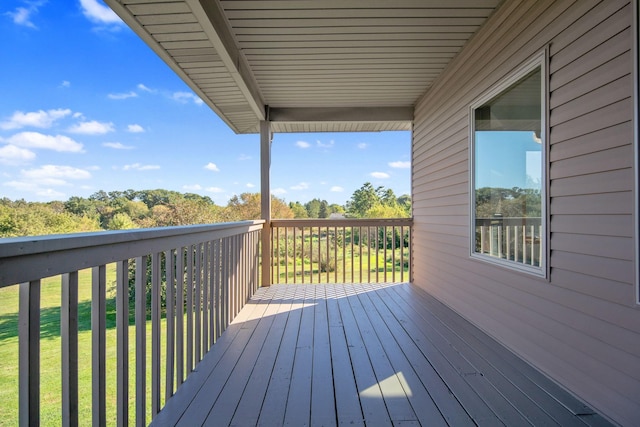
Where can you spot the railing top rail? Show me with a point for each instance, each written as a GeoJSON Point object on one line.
{"type": "Point", "coordinates": [343, 222]}
{"type": "Point", "coordinates": [30, 258]}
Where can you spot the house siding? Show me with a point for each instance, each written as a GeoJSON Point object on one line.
{"type": "Point", "coordinates": [581, 325]}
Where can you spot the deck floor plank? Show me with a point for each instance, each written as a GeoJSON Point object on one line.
{"type": "Point", "coordinates": [551, 399]}
{"type": "Point", "coordinates": [474, 377]}
{"type": "Point", "coordinates": [248, 410]}
{"type": "Point", "coordinates": [275, 402]}
{"type": "Point", "coordinates": [507, 379]}
{"type": "Point", "coordinates": [348, 410]}
{"type": "Point", "coordinates": [363, 355]}
{"type": "Point", "coordinates": [323, 409]}
{"type": "Point", "coordinates": [393, 392]}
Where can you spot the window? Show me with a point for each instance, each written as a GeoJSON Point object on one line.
{"type": "Point", "coordinates": [508, 172]}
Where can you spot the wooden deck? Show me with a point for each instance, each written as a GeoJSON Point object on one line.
{"type": "Point", "coordinates": [376, 355]}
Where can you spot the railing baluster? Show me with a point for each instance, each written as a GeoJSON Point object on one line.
{"type": "Point", "coordinates": [29, 353]}
{"type": "Point", "coordinates": [69, 341]}
{"type": "Point", "coordinates": [302, 253]}
{"type": "Point", "coordinates": [205, 298]}
{"type": "Point", "coordinates": [170, 316]}
{"type": "Point", "coordinates": [352, 255]}
{"type": "Point", "coordinates": [180, 316]}
{"type": "Point", "coordinates": [197, 303]}
{"type": "Point", "coordinates": [99, 344]}
{"type": "Point", "coordinates": [141, 339]}
{"type": "Point", "coordinates": [393, 253]}
{"type": "Point", "coordinates": [155, 332]}
{"type": "Point", "coordinates": [122, 343]}
{"type": "Point", "coordinates": [319, 255]}
{"type": "Point", "coordinates": [401, 253]}
{"type": "Point", "coordinates": [360, 245]}
{"type": "Point", "coordinates": [212, 305]}
{"type": "Point", "coordinates": [189, 287]}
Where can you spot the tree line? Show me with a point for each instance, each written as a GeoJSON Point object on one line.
{"type": "Point", "coordinates": [118, 210]}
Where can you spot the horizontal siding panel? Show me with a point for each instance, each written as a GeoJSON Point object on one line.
{"type": "Point", "coordinates": [610, 115]}
{"type": "Point", "coordinates": [594, 204]}
{"type": "Point", "coordinates": [612, 70]}
{"type": "Point", "coordinates": [597, 225]}
{"type": "Point", "coordinates": [610, 137]}
{"type": "Point", "coordinates": [609, 94]}
{"type": "Point", "coordinates": [602, 246]}
{"type": "Point", "coordinates": [433, 175]}
{"type": "Point", "coordinates": [607, 51]}
{"type": "Point", "coordinates": [449, 190]}
{"type": "Point", "coordinates": [597, 287]}
{"type": "Point", "coordinates": [574, 309]}
{"type": "Point", "coordinates": [596, 36]}
{"type": "Point", "coordinates": [603, 182]}
{"type": "Point", "coordinates": [606, 268]}
{"type": "Point", "coordinates": [601, 161]}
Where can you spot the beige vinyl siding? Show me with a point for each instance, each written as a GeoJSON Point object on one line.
{"type": "Point", "coordinates": [581, 326]}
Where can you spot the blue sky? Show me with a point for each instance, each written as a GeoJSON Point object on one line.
{"type": "Point", "coordinates": [85, 105]}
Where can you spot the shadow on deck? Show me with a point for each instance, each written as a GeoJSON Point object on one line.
{"type": "Point", "coordinates": [385, 354]}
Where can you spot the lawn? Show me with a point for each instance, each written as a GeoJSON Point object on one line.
{"type": "Point", "coordinates": [50, 365]}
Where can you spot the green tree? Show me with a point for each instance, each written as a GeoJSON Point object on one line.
{"type": "Point", "coordinates": [298, 210]}
{"type": "Point", "coordinates": [362, 200]}
{"type": "Point", "coordinates": [121, 221]}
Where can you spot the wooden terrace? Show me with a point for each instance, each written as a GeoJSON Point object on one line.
{"type": "Point", "coordinates": [364, 354]}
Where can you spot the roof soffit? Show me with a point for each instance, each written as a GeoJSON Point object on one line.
{"type": "Point", "coordinates": [357, 58]}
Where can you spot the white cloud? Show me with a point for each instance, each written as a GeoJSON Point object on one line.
{"type": "Point", "coordinates": [362, 145]}
{"type": "Point", "coordinates": [278, 191]}
{"type": "Point", "coordinates": [400, 164]}
{"type": "Point", "coordinates": [325, 145]}
{"type": "Point", "coordinates": [380, 175]}
{"type": "Point", "coordinates": [93, 127]}
{"type": "Point", "coordinates": [244, 157]}
{"type": "Point", "coordinates": [250, 185]}
{"type": "Point", "coordinates": [216, 190]}
{"type": "Point", "coordinates": [38, 119]}
{"type": "Point", "coordinates": [65, 83]}
{"type": "Point", "coordinates": [31, 187]}
{"type": "Point", "coordinates": [194, 187]}
{"type": "Point", "coordinates": [135, 128]}
{"type": "Point", "coordinates": [300, 186]}
{"type": "Point", "coordinates": [55, 175]}
{"type": "Point", "coordinates": [10, 154]}
{"type": "Point", "coordinates": [185, 97]}
{"type": "Point", "coordinates": [22, 15]}
{"type": "Point", "coordinates": [49, 142]}
{"type": "Point", "coordinates": [140, 167]}
{"type": "Point", "coordinates": [145, 88]}
{"type": "Point", "coordinates": [212, 167]}
{"type": "Point", "coordinates": [119, 96]}
{"type": "Point", "coordinates": [303, 144]}
{"type": "Point", "coordinates": [98, 12]}
{"type": "Point", "coordinates": [118, 146]}
{"type": "Point", "coordinates": [337, 189]}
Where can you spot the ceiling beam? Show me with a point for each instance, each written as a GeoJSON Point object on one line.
{"type": "Point", "coordinates": [211, 17]}
{"type": "Point", "coordinates": [341, 114]}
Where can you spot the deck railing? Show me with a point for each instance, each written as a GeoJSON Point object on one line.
{"type": "Point", "coordinates": [515, 239]}
{"type": "Point", "coordinates": [341, 250]}
{"type": "Point", "coordinates": [191, 282]}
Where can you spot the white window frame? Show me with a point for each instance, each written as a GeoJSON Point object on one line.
{"type": "Point", "coordinates": [540, 60]}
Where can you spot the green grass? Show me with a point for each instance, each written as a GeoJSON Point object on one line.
{"type": "Point", "coordinates": [372, 264]}
{"type": "Point", "coordinates": [50, 353]}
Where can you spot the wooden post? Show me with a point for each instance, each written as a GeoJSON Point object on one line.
{"type": "Point", "coordinates": [265, 196]}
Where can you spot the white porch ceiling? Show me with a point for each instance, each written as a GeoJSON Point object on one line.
{"type": "Point", "coordinates": [307, 65]}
